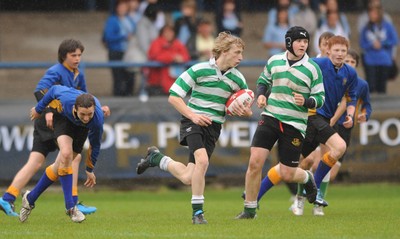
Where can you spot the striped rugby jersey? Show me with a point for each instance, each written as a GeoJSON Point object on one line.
{"type": "Point", "coordinates": [210, 89]}
{"type": "Point", "coordinates": [304, 77]}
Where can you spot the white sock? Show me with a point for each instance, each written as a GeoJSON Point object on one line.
{"type": "Point", "coordinates": [307, 177]}
{"type": "Point", "coordinates": [327, 177]}
{"type": "Point", "coordinates": [164, 163]}
{"type": "Point", "coordinates": [197, 199]}
{"type": "Point", "coordinates": [252, 204]}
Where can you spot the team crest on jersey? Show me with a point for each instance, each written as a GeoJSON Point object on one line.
{"type": "Point", "coordinates": [296, 142]}
{"type": "Point", "coordinates": [344, 81]}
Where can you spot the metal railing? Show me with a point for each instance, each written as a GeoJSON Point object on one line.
{"type": "Point", "coordinates": [112, 64]}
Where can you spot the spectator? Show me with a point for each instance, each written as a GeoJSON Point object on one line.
{"type": "Point", "coordinates": [332, 6]}
{"type": "Point", "coordinates": [274, 34]}
{"type": "Point", "coordinates": [273, 12]}
{"type": "Point", "coordinates": [117, 32]}
{"type": "Point", "coordinates": [323, 43]}
{"type": "Point", "coordinates": [228, 18]}
{"type": "Point", "coordinates": [131, 52]}
{"type": "Point", "coordinates": [304, 17]}
{"type": "Point", "coordinates": [165, 49]}
{"type": "Point", "coordinates": [160, 18]}
{"type": "Point", "coordinates": [186, 25]}
{"type": "Point", "coordinates": [332, 24]}
{"type": "Point", "coordinates": [146, 32]}
{"type": "Point", "coordinates": [200, 45]}
{"type": "Point", "coordinates": [363, 17]}
{"type": "Point", "coordinates": [134, 15]}
{"type": "Point", "coordinates": [377, 40]}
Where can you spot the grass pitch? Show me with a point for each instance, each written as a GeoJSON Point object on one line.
{"type": "Point", "coordinates": [355, 211]}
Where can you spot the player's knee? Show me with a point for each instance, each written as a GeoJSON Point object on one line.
{"type": "Point", "coordinates": [339, 149]}
{"type": "Point", "coordinates": [202, 163]}
{"type": "Point", "coordinates": [66, 154]}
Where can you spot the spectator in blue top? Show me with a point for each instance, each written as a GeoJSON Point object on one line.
{"type": "Point", "coordinates": [117, 31]}
{"type": "Point", "coordinates": [274, 34]}
{"type": "Point", "coordinates": [228, 18]}
{"type": "Point", "coordinates": [377, 40]}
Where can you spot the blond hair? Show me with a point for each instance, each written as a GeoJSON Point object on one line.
{"type": "Point", "coordinates": [223, 43]}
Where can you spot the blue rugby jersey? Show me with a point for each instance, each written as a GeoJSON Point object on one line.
{"type": "Point", "coordinates": [336, 84]}
{"type": "Point", "coordinates": [363, 101]}
{"type": "Point", "coordinates": [67, 97]}
{"type": "Point", "coordinates": [59, 74]}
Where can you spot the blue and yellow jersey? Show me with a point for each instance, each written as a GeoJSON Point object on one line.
{"type": "Point", "coordinates": [61, 74]}
{"type": "Point", "coordinates": [336, 83]}
{"type": "Point", "coordinates": [67, 97]}
{"type": "Point", "coordinates": [363, 102]}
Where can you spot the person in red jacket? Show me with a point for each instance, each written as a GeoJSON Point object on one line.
{"type": "Point", "coordinates": [165, 49]}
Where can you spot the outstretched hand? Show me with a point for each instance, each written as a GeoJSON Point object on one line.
{"type": "Point", "coordinates": [91, 180]}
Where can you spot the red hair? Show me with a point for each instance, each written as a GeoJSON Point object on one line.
{"type": "Point", "coordinates": [338, 40]}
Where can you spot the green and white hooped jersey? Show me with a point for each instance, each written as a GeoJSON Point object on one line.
{"type": "Point", "coordinates": [304, 77]}
{"type": "Point", "coordinates": [210, 89]}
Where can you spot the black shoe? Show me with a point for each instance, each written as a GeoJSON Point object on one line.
{"type": "Point", "coordinates": [147, 161]}
{"type": "Point", "coordinates": [246, 215]}
{"type": "Point", "coordinates": [311, 188]}
{"type": "Point", "coordinates": [198, 218]}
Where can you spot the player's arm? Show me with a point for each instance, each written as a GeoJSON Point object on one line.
{"type": "Point", "coordinates": [95, 136]}
{"type": "Point", "coordinates": [317, 91]}
{"type": "Point", "coordinates": [182, 108]}
{"type": "Point", "coordinates": [366, 108]}
{"type": "Point", "coordinates": [352, 101]}
{"type": "Point", "coordinates": [340, 110]}
{"type": "Point", "coordinates": [42, 104]}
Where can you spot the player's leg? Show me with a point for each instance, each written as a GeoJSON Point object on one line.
{"type": "Point", "coordinates": [29, 198]}
{"type": "Point", "coordinates": [75, 173]}
{"type": "Point", "coordinates": [23, 176]}
{"type": "Point", "coordinates": [40, 150]}
{"type": "Point", "coordinates": [198, 185]}
{"type": "Point", "coordinates": [201, 146]}
{"type": "Point", "coordinates": [264, 139]}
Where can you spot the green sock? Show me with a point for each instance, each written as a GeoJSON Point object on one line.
{"type": "Point", "coordinates": [300, 189]}
{"type": "Point", "coordinates": [252, 211]}
{"type": "Point", "coordinates": [197, 207]}
{"type": "Point", "coordinates": [156, 158]}
{"type": "Point", "coordinates": [324, 188]}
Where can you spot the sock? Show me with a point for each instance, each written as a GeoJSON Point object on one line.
{"type": "Point", "coordinates": [324, 167]}
{"type": "Point", "coordinates": [47, 179]}
{"type": "Point", "coordinates": [250, 207]}
{"type": "Point", "coordinates": [197, 203]}
{"type": "Point", "coordinates": [11, 194]}
{"type": "Point", "coordinates": [307, 178]}
{"type": "Point", "coordinates": [324, 184]}
{"type": "Point", "coordinates": [75, 194]}
{"type": "Point", "coordinates": [66, 183]}
{"type": "Point", "coordinates": [300, 189]}
{"type": "Point", "coordinates": [156, 158]}
{"type": "Point", "coordinates": [268, 182]}
{"type": "Point", "coordinates": [164, 163]}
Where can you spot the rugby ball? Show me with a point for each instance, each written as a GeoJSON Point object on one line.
{"type": "Point", "coordinates": [245, 96]}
